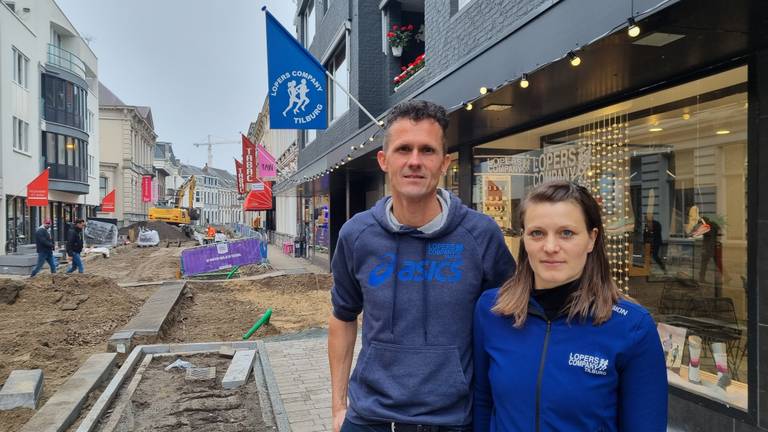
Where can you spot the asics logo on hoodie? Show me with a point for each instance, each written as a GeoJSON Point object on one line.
{"type": "Point", "coordinates": [446, 268]}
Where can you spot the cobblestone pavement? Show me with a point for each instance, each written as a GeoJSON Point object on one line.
{"type": "Point", "coordinates": [301, 370]}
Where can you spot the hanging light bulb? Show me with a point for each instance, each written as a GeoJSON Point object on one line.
{"type": "Point", "coordinates": [353, 148]}
{"type": "Point", "coordinates": [468, 106]}
{"type": "Point", "coordinates": [483, 90]}
{"type": "Point", "coordinates": [633, 30]}
{"type": "Point", "coordinates": [574, 59]}
{"type": "Point", "coordinates": [524, 81]}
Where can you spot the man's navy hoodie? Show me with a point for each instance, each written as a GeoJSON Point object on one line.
{"type": "Point", "coordinates": [417, 292]}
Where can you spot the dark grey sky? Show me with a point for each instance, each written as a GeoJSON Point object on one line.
{"type": "Point", "coordinates": [200, 65]}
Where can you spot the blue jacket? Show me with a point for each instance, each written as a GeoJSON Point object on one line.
{"type": "Point", "coordinates": [43, 241]}
{"type": "Point", "coordinates": [417, 292]}
{"type": "Point", "coordinates": [560, 376]}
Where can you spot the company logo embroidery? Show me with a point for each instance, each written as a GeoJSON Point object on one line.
{"type": "Point", "coordinates": [619, 310]}
{"type": "Point", "coordinates": [591, 364]}
{"type": "Point", "coordinates": [298, 85]}
{"type": "Point", "coordinates": [447, 269]}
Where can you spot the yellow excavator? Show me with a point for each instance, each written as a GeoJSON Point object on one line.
{"type": "Point", "coordinates": [179, 215]}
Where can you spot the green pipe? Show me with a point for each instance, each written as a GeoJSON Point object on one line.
{"type": "Point", "coordinates": [263, 320]}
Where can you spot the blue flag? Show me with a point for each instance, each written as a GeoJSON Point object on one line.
{"type": "Point", "coordinates": [298, 97]}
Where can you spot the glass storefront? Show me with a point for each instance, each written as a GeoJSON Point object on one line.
{"type": "Point", "coordinates": [316, 233]}
{"type": "Point", "coordinates": [670, 172]}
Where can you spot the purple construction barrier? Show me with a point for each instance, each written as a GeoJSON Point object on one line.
{"type": "Point", "coordinates": [220, 256]}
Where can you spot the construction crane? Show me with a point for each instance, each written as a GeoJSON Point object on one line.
{"type": "Point", "coordinates": [210, 145]}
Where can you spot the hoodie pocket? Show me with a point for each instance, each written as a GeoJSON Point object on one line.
{"type": "Point", "coordinates": [414, 380]}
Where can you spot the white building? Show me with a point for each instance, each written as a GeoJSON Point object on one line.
{"type": "Point", "coordinates": [215, 195]}
{"type": "Point", "coordinates": [48, 118]}
{"type": "Point", "coordinates": [127, 155]}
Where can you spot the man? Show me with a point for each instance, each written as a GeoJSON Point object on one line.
{"type": "Point", "coordinates": [75, 245]}
{"type": "Point", "coordinates": [416, 263]}
{"type": "Point", "coordinates": [44, 244]}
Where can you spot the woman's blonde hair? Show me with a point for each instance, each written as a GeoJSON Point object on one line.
{"type": "Point", "coordinates": [596, 294]}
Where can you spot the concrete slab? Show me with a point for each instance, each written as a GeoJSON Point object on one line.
{"type": "Point", "coordinates": [22, 389]}
{"type": "Point", "coordinates": [239, 369]}
{"type": "Point", "coordinates": [201, 373]}
{"type": "Point", "coordinates": [155, 311]}
{"type": "Point", "coordinates": [64, 406]}
{"type": "Point", "coordinates": [226, 352]}
{"type": "Point", "coordinates": [125, 399]}
{"type": "Point", "coordinates": [120, 342]}
{"type": "Point", "coordinates": [109, 393]}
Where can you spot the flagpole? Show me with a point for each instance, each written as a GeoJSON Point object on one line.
{"type": "Point", "coordinates": [370, 116]}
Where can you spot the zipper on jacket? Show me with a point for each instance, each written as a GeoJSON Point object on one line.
{"type": "Point", "coordinates": [541, 375]}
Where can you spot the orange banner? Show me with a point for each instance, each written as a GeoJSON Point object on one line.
{"type": "Point", "coordinates": [37, 191]}
{"type": "Point", "coordinates": [108, 203]}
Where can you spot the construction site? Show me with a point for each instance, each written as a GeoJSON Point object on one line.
{"type": "Point", "coordinates": [138, 343]}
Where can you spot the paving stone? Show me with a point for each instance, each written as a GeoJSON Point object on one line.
{"type": "Point", "coordinates": [226, 352]}
{"type": "Point", "coordinates": [121, 341]}
{"type": "Point", "coordinates": [64, 406]}
{"type": "Point", "coordinates": [239, 369]}
{"type": "Point", "coordinates": [22, 389]}
{"type": "Point", "coordinates": [156, 309]}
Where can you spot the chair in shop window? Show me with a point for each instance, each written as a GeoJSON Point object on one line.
{"type": "Point", "coordinates": [674, 301]}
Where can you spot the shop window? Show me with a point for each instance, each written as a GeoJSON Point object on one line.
{"type": "Point", "coordinates": [103, 185]}
{"type": "Point", "coordinates": [671, 177]}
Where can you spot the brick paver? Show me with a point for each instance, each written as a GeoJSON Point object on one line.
{"type": "Point", "coordinates": [301, 370]}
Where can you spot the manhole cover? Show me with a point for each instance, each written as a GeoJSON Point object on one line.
{"type": "Point", "coordinates": [205, 373]}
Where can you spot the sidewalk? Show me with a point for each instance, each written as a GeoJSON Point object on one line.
{"type": "Point", "coordinates": [280, 261]}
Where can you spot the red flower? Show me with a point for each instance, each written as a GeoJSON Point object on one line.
{"type": "Point", "coordinates": [410, 27]}
{"type": "Point", "coordinates": [402, 68]}
{"type": "Point", "coordinates": [397, 79]}
{"type": "Point", "coordinates": [390, 35]}
{"type": "Point", "coordinates": [395, 27]}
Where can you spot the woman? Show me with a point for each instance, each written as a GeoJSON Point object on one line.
{"type": "Point", "coordinates": [557, 347]}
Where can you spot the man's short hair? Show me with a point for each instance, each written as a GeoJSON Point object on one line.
{"type": "Point", "coordinates": [417, 110]}
{"type": "Point", "coordinates": [79, 221]}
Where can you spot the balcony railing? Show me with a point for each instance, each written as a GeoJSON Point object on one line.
{"type": "Point", "coordinates": [66, 60]}
{"type": "Point", "coordinates": [68, 172]}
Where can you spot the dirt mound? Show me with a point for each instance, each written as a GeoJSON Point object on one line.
{"type": "Point", "coordinates": [39, 333]}
{"type": "Point", "coordinates": [299, 283]}
{"type": "Point", "coordinates": [254, 269]}
{"type": "Point", "coordinates": [164, 230]}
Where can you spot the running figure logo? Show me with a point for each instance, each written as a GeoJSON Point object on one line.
{"type": "Point", "coordinates": [298, 96]}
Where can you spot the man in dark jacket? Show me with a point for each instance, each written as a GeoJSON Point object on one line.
{"type": "Point", "coordinates": [75, 246]}
{"type": "Point", "coordinates": [45, 246]}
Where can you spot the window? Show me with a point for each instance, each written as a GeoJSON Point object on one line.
{"type": "Point", "coordinates": [20, 68]}
{"type": "Point", "coordinates": [309, 23]}
{"type": "Point", "coordinates": [91, 166]}
{"type": "Point", "coordinates": [20, 135]}
{"type": "Point", "coordinates": [66, 156]}
{"type": "Point", "coordinates": [103, 185]}
{"type": "Point", "coordinates": [311, 134]}
{"type": "Point", "coordinates": [64, 102]}
{"type": "Point", "coordinates": [337, 65]}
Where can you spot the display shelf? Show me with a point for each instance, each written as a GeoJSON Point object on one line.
{"type": "Point", "coordinates": [735, 395]}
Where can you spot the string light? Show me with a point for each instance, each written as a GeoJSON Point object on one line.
{"type": "Point", "coordinates": [483, 90]}
{"type": "Point", "coordinates": [524, 81]}
{"type": "Point", "coordinates": [574, 59]}
{"type": "Point", "coordinates": [468, 106]}
{"type": "Point", "coordinates": [633, 30]}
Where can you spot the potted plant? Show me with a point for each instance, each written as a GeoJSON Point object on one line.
{"type": "Point", "coordinates": [399, 37]}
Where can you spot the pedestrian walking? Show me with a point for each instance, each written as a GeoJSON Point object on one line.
{"type": "Point", "coordinates": [44, 245]}
{"type": "Point", "coordinates": [75, 246]}
{"type": "Point", "coordinates": [558, 347]}
{"type": "Point", "coordinates": [416, 262]}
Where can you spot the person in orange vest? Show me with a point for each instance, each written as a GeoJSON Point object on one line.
{"type": "Point", "coordinates": [211, 231]}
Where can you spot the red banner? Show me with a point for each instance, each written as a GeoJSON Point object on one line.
{"type": "Point", "coordinates": [37, 191]}
{"type": "Point", "coordinates": [146, 188]}
{"type": "Point", "coordinates": [259, 198]}
{"type": "Point", "coordinates": [240, 177]}
{"type": "Point", "coordinates": [108, 203]}
{"type": "Point", "coordinates": [249, 160]}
